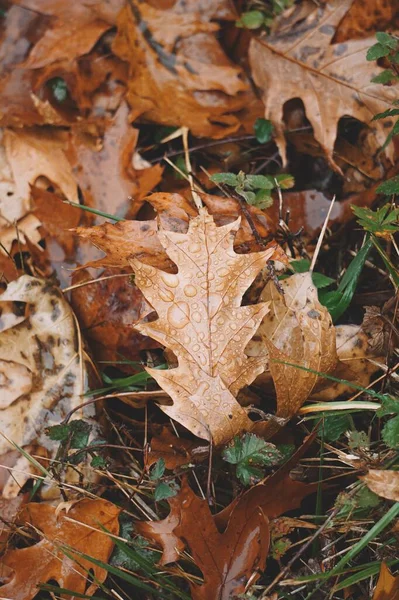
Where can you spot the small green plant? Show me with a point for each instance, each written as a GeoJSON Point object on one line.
{"type": "Point", "coordinates": [255, 189]}
{"type": "Point", "coordinates": [387, 47]}
{"type": "Point", "coordinates": [320, 281]}
{"type": "Point", "coordinates": [263, 130]}
{"type": "Point", "coordinates": [262, 13]}
{"type": "Point", "coordinates": [251, 454]}
{"type": "Point", "coordinates": [390, 431]}
{"type": "Point", "coordinates": [163, 489]}
{"type": "Point", "coordinates": [75, 436]}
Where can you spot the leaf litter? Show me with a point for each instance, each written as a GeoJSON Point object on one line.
{"type": "Point", "coordinates": [208, 338]}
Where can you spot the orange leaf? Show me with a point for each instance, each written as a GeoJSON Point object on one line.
{"type": "Point", "coordinates": [387, 585]}
{"type": "Point", "coordinates": [56, 556]}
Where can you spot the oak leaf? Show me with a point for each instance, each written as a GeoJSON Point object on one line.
{"type": "Point", "coordinates": [228, 559]}
{"type": "Point", "coordinates": [384, 483]}
{"type": "Point", "coordinates": [332, 79]}
{"type": "Point", "coordinates": [42, 373]}
{"type": "Point", "coordinates": [387, 585]}
{"type": "Point", "coordinates": [298, 330]}
{"type": "Point", "coordinates": [200, 319]}
{"type": "Point", "coordinates": [179, 74]}
{"type": "Point", "coordinates": [57, 556]}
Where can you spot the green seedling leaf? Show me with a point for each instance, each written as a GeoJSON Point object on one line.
{"type": "Point", "coordinates": [387, 40]}
{"type": "Point", "coordinates": [377, 51]}
{"type": "Point", "coordinates": [165, 490]}
{"type": "Point", "coordinates": [263, 129]}
{"type": "Point", "coordinates": [262, 182]}
{"type": "Point", "coordinates": [335, 426]}
{"type": "Point", "coordinates": [76, 433]}
{"type": "Point", "coordinates": [285, 181]}
{"type": "Point", "coordinates": [225, 178]}
{"type": "Point", "coordinates": [321, 281]}
{"type": "Point", "coordinates": [158, 470]}
{"type": "Point", "coordinates": [263, 199]}
{"type": "Point", "coordinates": [252, 19]}
{"type": "Point", "coordinates": [389, 187]}
{"type": "Point", "coordinates": [386, 76]}
{"type": "Point", "coordinates": [390, 406]}
{"type": "Point", "coordinates": [98, 462]}
{"type": "Point", "coordinates": [125, 555]}
{"type": "Point", "coordinates": [390, 433]}
{"type": "Point", "coordinates": [249, 453]}
{"type": "Point", "coordinates": [358, 440]}
{"type": "Point", "coordinates": [59, 89]}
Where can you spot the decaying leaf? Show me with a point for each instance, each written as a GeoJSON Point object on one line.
{"type": "Point", "coordinates": [383, 483]}
{"type": "Point", "coordinates": [42, 374]}
{"type": "Point", "coordinates": [175, 451]}
{"type": "Point", "coordinates": [9, 509]}
{"type": "Point", "coordinates": [179, 74]}
{"type": "Point", "coordinates": [227, 559]}
{"type": "Point", "coordinates": [200, 319]}
{"type": "Point", "coordinates": [332, 79]}
{"type": "Point", "coordinates": [93, 165]}
{"type": "Point", "coordinates": [57, 555]}
{"type": "Point", "coordinates": [387, 585]}
{"type": "Point", "coordinates": [297, 330]}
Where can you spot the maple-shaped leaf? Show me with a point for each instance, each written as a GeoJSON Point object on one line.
{"type": "Point", "coordinates": [200, 318]}
{"type": "Point", "coordinates": [228, 559]}
{"type": "Point", "coordinates": [333, 80]}
{"type": "Point", "coordinates": [65, 534]}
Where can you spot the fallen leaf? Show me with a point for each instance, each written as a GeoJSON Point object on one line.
{"type": "Point", "coordinates": [128, 186]}
{"type": "Point", "coordinates": [358, 359]}
{"type": "Point", "coordinates": [365, 18]}
{"type": "Point", "coordinates": [35, 153]}
{"type": "Point", "coordinates": [228, 559]}
{"type": "Point", "coordinates": [106, 311]}
{"type": "Point", "coordinates": [9, 509]}
{"type": "Point", "coordinates": [333, 80]}
{"type": "Point", "coordinates": [200, 319]}
{"type": "Point", "coordinates": [57, 555]}
{"type": "Point", "coordinates": [383, 483]}
{"type": "Point", "coordinates": [297, 330]}
{"type": "Point", "coordinates": [43, 376]}
{"type": "Point", "coordinates": [179, 74]}
{"type": "Point", "coordinates": [387, 585]}
{"type": "Point", "coordinates": [175, 451]}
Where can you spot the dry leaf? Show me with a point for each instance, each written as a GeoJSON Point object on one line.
{"type": "Point", "coordinates": [387, 585]}
{"type": "Point", "coordinates": [106, 175]}
{"type": "Point", "coordinates": [179, 74]}
{"type": "Point", "coordinates": [297, 330]}
{"type": "Point", "coordinates": [9, 509]}
{"type": "Point", "coordinates": [333, 80]}
{"type": "Point", "coordinates": [365, 18]}
{"type": "Point", "coordinates": [383, 483]}
{"type": "Point", "coordinates": [56, 556]}
{"type": "Point", "coordinates": [42, 375]}
{"type": "Point", "coordinates": [228, 559]}
{"type": "Point", "coordinates": [200, 319]}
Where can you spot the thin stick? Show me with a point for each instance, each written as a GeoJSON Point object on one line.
{"type": "Point", "coordinates": [321, 236]}
{"type": "Point", "coordinates": [196, 197]}
{"type": "Point", "coordinates": [79, 285]}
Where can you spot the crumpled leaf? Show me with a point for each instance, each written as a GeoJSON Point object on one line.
{"type": "Point", "coordinates": [56, 556]}
{"type": "Point", "coordinates": [227, 559]}
{"type": "Point", "coordinates": [200, 319]}
{"type": "Point", "coordinates": [297, 330]}
{"type": "Point", "coordinates": [42, 375]}
{"type": "Point", "coordinates": [179, 74]}
{"type": "Point", "coordinates": [127, 186]}
{"type": "Point", "coordinates": [387, 585]}
{"type": "Point", "coordinates": [333, 80]}
{"type": "Point", "coordinates": [383, 483]}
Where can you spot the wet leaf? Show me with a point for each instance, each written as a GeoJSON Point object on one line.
{"type": "Point", "coordinates": [226, 560]}
{"type": "Point", "coordinates": [56, 556]}
{"type": "Point", "coordinates": [297, 330]}
{"type": "Point", "coordinates": [333, 78]}
{"type": "Point", "coordinates": [175, 451]}
{"type": "Point", "coordinates": [201, 320]}
{"type": "Point", "coordinates": [179, 74]}
{"type": "Point", "coordinates": [387, 585]}
{"type": "Point", "coordinates": [250, 453]}
{"type": "Point", "coordinates": [42, 355]}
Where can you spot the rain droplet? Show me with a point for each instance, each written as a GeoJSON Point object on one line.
{"type": "Point", "coordinates": [190, 291]}
{"type": "Point", "coordinates": [169, 279]}
{"type": "Point", "coordinates": [179, 315]}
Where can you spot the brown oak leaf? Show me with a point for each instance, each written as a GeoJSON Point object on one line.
{"type": "Point", "coordinates": [57, 556]}
{"type": "Point", "coordinates": [332, 79]}
{"type": "Point", "coordinates": [200, 319]}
